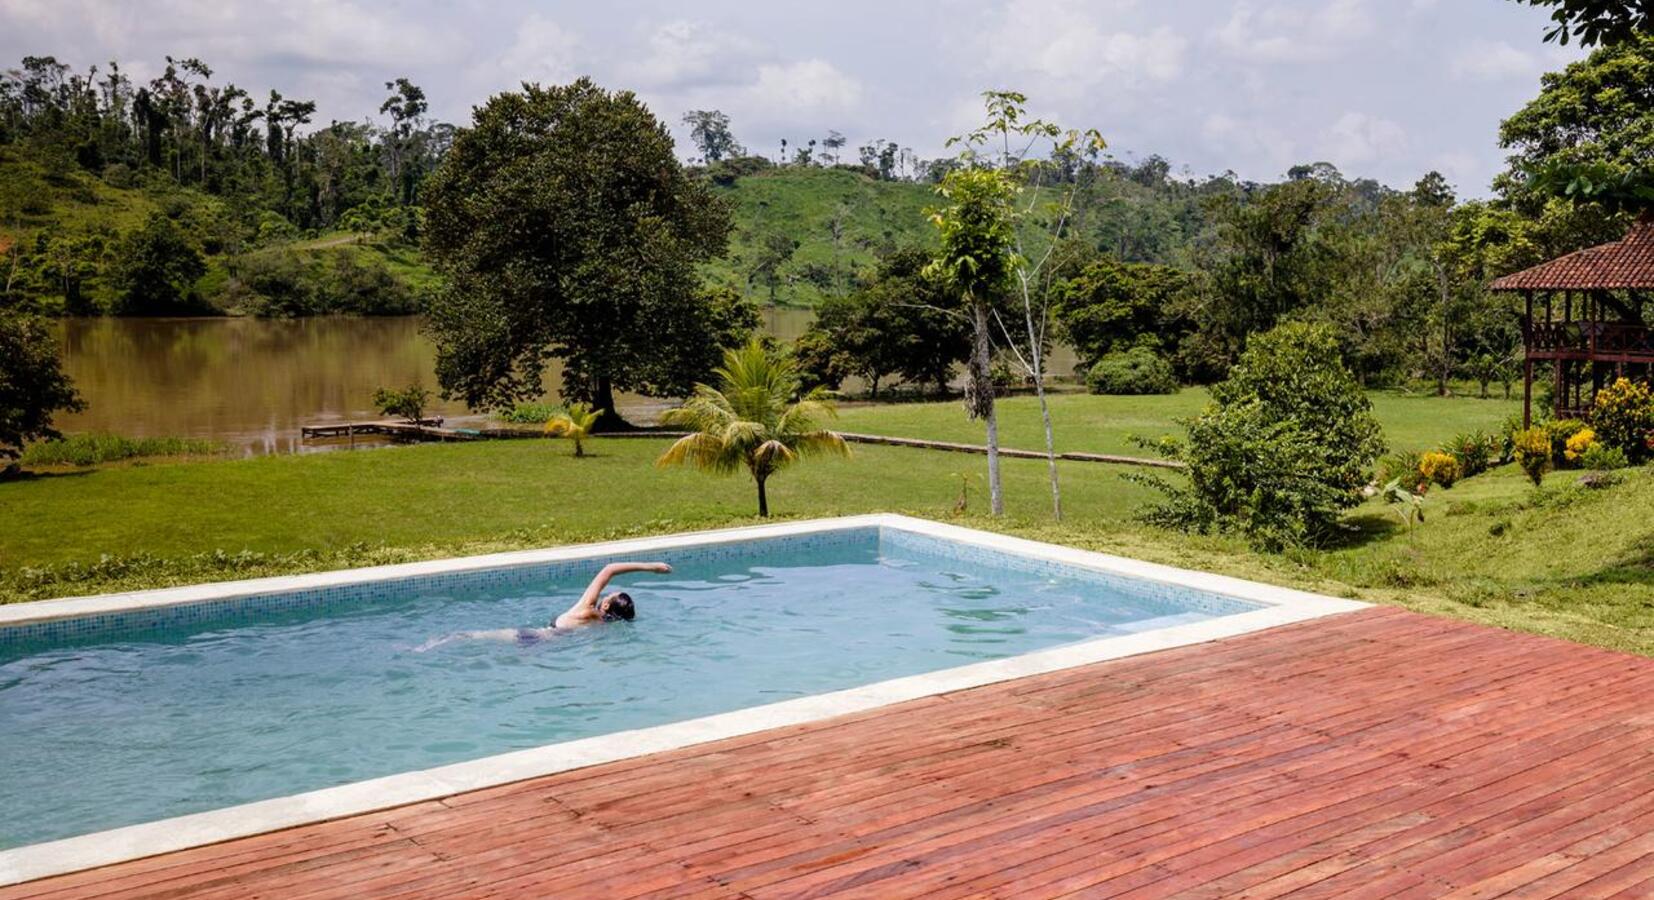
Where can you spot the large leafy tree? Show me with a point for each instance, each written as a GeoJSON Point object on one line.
{"type": "Point", "coordinates": [1273, 257]}
{"type": "Point", "coordinates": [1111, 306]}
{"type": "Point", "coordinates": [156, 267]}
{"type": "Point", "coordinates": [895, 324]}
{"type": "Point", "coordinates": [32, 383]}
{"type": "Point", "coordinates": [1589, 135]}
{"type": "Point", "coordinates": [567, 228]}
{"type": "Point", "coordinates": [709, 130]}
{"type": "Point", "coordinates": [1597, 21]}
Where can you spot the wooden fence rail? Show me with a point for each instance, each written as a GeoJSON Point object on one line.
{"type": "Point", "coordinates": [428, 431]}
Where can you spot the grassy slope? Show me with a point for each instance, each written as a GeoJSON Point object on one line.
{"type": "Point", "coordinates": [1564, 561]}
{"type": "Point", "coordinates": [801, 203]}
{"type": "Point", "coordinates": [81, 203]}
{"type": "Point", "coordinates": [1106, 424]}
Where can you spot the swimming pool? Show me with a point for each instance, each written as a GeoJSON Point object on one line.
{"type": "Point", "coordinates": [120, 711]}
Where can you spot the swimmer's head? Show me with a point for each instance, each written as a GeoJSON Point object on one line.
{"type": "Point", "coordinates": [617, 605]}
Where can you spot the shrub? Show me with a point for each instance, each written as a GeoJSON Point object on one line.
{"type": "Point", "coordinates": [1404, 466]}
{"type": "Point", "coordinates": [1560, 431]}
{"type": "Point", "coordinates": [92, 449]}
{"type": "Point", "coordinates": [1475, 452]}
{"type": "Point", "coordinates": [1288, 442]}
{"type": "Point", "coordinates": [273, 285]}
{"type": "Point", "coordinates": [1576, 446]}
{"type": "Point", "coordinates": [408, 403]}
{"type": "Point", "coordinates": [1600, 457]}
{"type": "Point", "coordinates": [532, 413]}
{"type": "Point", "coordinates": [1533, 453]}
{"type": "Point", "coordinates": [1507, 438]}
{"type": "Point", "coordinates": [1135, 371]}
{"type": "Point", "coordinates": [367, 287]}
{"type": "Point", "coordinates": [1624, 418]}
{"type": "Point", "coordinates": [1439, 469]}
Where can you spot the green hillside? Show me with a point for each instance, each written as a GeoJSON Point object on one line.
{"type": "Point", "coordinates": [61, 229]}
{"type": "Point", "coordinates": [840, 220]}
{"type": "Point", "coordinates": [803, 232]}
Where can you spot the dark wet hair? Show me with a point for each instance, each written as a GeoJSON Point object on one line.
{"type": "Point", "coordinates": [619, 606]}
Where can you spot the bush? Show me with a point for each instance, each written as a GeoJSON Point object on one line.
{"type": "Point", "coordinates": [1438, 468]}
{"type": "Point", "coordinates": [367, 287]}
{"type": "Point", "coordinates": [408, 403]}
{"type": "Point", "coordinates": [1507, 437]}
{"type": "Point", "coordinates": [532, 413]}
{"type": "Point", "coordinates": [1600, 457]}
{"type": "Point", "coordinates": [1533, 453]}
{"type": "Point", "coordinates": [1561, 431]}
{"type": "Point", "coordinates": [272, 285]}
{"type": "Point", "coordinates": [1404, 467]}
{"type": "Point", "coordinates": [1576, 445]}
{"type": "Point", "coordinates": [1135, 371]}
{"type": "Point", "coordinates": [1475, 452]}
{"type": "Point", "coordinates": [92, 449]}
{"type": "Point", "coordinates": [1624, 418]}
{"type": "Point", "coordinates": [1288, 442]}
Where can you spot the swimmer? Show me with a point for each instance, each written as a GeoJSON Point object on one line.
{"type": "Point", "coordinates": [593, 608]}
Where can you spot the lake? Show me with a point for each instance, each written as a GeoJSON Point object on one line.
{"type": "Point", "coordinates": [252, 383]}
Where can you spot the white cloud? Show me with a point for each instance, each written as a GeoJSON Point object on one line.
{"type": "Point", "coordinates": [1358, 138]}
{"type": "Point", "coordinates": [683, 54]}
{"type": "Point", "coordinates": [1286, 32]}
{"type": "Point", "coordinates": [1067, 42]}
{"type": "Point", "coordinates": [318, 32]}
{"type": "Point", "coordinates": [542, 51]}
{"type": "Point", "coordinates": [799, 90]}
{"type": "Point", "coordinates": [1252, 139]}
{"type": "Point", "coordinates": [1483, 60]}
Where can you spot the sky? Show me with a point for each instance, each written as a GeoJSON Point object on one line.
{"type": "Point", "coordinates": [1387, 89]}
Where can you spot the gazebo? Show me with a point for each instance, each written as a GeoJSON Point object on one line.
{"type": "Point", "coordinates": [1584, 316]}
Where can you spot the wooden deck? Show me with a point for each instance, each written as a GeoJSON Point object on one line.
{"type": "Point", "coordinates": [1377, 754]}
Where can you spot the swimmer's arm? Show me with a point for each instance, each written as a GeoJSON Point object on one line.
{"type": "Point", "coordinates": [594, 591]}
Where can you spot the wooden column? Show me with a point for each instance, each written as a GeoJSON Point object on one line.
{"type": "Point", "coordinates": [1527, 361]}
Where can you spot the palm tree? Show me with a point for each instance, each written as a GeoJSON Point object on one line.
{"type": "Point", "coordinates": [576, 424]}
{"type": "Point", "coordinates": [754, 418]}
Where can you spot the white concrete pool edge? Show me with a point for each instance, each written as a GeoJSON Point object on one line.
{"type": "Point", "coordinates": [1280, 606]}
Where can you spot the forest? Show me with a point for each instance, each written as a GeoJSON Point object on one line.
{"type": "Point", "coordinates": [184, 195]}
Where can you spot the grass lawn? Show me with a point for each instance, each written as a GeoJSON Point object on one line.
{"type": "Point", "coordinates": [1106, 424]}
{"type": "Point", "coordinates": [1567, 561]}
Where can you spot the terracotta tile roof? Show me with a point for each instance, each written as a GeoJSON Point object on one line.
{"type": "Point", "coordinates": [1626, 264]}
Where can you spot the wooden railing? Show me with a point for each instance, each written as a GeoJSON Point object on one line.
{"type": "Point", "coordinates": [1591, 339]}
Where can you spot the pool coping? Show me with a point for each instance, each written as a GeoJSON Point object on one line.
{"type": "Point", "coordinates": [1279, 606]}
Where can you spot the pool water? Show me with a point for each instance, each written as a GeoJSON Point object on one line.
{"type": "Point", "coordinates": [109, 727]}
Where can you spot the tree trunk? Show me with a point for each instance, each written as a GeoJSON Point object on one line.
{"type": "Point", "coordinates": [981, 401]}
{"type": "Point", "coordinates": [1447, 334]}
{"type": "Point", "coordinates": [603, 399]}
{"type": "Point", "coordinates": [1037, 369]}
{"type": "Point", "coordinates": [763, 498]}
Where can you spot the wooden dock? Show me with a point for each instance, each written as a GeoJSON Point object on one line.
{"type": "Point", "coordinates": [1370, 755]}
{"type": "Point", "coordinates": [431, 430]}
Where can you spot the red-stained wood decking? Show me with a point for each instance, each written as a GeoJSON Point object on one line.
{"type": "Point", "coordinates": [1376, 754]}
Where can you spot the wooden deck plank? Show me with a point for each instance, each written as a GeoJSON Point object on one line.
{"type": "Point", "coordinates": [1380, 753]}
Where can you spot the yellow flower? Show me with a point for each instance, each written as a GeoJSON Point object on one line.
{"type": "Point", "coordinates": [1582, 440]}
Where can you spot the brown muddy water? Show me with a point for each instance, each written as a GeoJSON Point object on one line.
{"type": "Point", "coordinates": [251, 383]}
